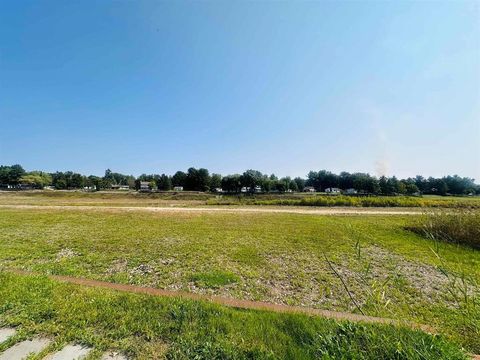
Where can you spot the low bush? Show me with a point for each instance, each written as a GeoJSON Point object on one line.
{"type": "Point", "coordinates": [342, 200]}
{"type": "Point", "coordinates": [459, 226]}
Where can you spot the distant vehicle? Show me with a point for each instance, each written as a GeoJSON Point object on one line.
{"type": "Point", "coordinates": [350, 191]}
{"type": "Point", "coordinates": [308, 189]}
{"type": "Point", "coordinates": [178, 188]}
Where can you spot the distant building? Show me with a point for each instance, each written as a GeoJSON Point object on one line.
{"type": "Point", "coordinates": [144, 186]}
{"type": "Point", "coordinates": [119, 187]}
{"type": "Point", "coordinates": [350, 191]}
{"type": "Point", "coordinates": [248, 189]}
{"type": "Point", "coordinates": [25, 187]}
{"type": "Point", "coordinates": [308, 189]}
{"type": "Point", "coordinates": [334, 191]}
{"type": "Point", "coordinates": [218, 190]}
{"type": "Point", "coordinates": [178, 188]}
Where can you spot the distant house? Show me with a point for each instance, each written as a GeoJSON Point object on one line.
{"type": "Point", "coordinates": [308, 189]}
{"type": "Point", "coordinates": [120, 187]}
{"type": "Point", "coordinates": [178, 188]}
{"type": "Point", "coordinates": [25, 187]}
{"type": "Point", "coordinates": [334, 191]}
{"type": "Point", "coordinates": [144, 186]}
{"type": "Point", "coordinates": [218, 190]}
{"type": "Point", "coordinates": [350, 191]}
{"type": "Point", "coordinates": [248, 189]}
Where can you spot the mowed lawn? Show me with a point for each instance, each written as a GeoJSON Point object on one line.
{"type": "Point", "coordinates": [280, 258]}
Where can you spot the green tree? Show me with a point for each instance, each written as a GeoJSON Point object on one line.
{"type": "Point", "coordinates": [231, 183]}
{"type": "Point", "coordinates": [251, 178]}
{"type": "Point", "coordinates": [300, 183]}
{"type": "Point", "coordinates": [11, 174]}
{"type": "Point", "coordinates": [197, 180]}
{"type": "Point", "coordinates": [37, 179]}
{"type": "Point", "coordinates": [215, 181]}
{"type": "Point", "coordinates": [411, 188]}
{"type": "Point", "coordinates": [179, 179]}
{"type": "Point", "coordinates": [402, 187]}
{"type": "Point", "coordinates": [164, 183]}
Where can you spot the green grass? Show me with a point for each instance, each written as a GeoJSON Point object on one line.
{"type": "Point", "coordinates": [102, 198]}
{"type": "Point", "coordinates": [390, 271]}
{"type": "Point", "coordinates": [214, 279]}
{"type": "Point", "coordinates": [147, 327]}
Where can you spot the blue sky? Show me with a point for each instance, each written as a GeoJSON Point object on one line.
{"type": "Point", "coordinates": [284, 87]}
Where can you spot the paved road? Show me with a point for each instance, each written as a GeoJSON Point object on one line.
{"type": "Point", "coordinates": [251, 209]}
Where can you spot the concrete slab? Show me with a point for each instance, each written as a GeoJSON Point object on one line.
{"type": "Point", "coordinates": [21, 350]}
{"type": "Point", "coordinates": [6, 333]}
{"type": "Point", "coordinates": [113, 356]}
{"type": "Point", "coordinates": [71, 352]}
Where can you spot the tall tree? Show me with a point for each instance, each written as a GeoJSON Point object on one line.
{"type": "Point", "coordinates": [164, 183]}
{"type": "Point", "coordinates": [215, 181]}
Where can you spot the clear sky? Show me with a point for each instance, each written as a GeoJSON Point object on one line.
{"type": "Point", "coordinates": [284, 87]}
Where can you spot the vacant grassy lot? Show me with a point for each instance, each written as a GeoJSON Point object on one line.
{"type": "Point", "coordinates": [102, 198]}
{"type": "Point", "coordinates": [146, 327]}
{"type": "Point", "coordinates": [282, 258]}
{"type": "Point", "coordinates": [182, 199]}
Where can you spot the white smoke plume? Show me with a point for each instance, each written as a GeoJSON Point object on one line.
{"type": "Point", "coordinates": [382, 162]}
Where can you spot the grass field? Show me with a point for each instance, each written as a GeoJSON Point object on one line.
{"type": "Point", "coordinates": [146, 327]}
{"type": "Point", "coordinates": [282, 258]}
{"type": "Point", "coordinates": [182, 199]}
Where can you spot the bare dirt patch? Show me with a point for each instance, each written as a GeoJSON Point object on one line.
{"type": "Point", "coordinates": [66, 253]}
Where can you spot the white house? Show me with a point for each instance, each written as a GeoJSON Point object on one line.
{"type": "Point", "coordinates": [144, 186]}
{"type": "Point", "coordinates": [350, 191]}
{"type": "Point", "coordinates": [119, 187]}
{"type": "Point", "coordinates": [333, 191]}
{"type": "Point", "coordinates": [309, 189]}
{"type": "Point", "coordinates": [178, 188]}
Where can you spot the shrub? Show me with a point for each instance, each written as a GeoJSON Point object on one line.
{"type": "Point", "coordinates": [459, 226]}
{"type": "Point", "coordinates": [345, 200]}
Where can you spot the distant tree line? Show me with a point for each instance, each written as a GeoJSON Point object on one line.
{"type": "Point", "coordinates": [14, 176]}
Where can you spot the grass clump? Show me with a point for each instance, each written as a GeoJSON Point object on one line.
{"type": "Point", "coordinates": [214, 279]}
{"type": "Point", "coordinates": [460, 227]}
